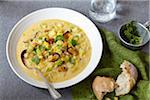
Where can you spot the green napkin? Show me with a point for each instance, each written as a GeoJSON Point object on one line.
{"type": "Point", "coordinates": [113, 55]}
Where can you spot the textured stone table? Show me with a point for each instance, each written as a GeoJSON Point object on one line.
{"type": "Point", "coordinates": [13, 88]}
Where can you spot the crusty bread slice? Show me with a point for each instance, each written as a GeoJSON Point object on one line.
{"type": "Point", "coordinates": [127, 79]}
{"type": "Point", "coordinates": [102, 85]}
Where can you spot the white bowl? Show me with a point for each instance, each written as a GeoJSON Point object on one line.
{"type": "Point", "coordinates": [55, 13]}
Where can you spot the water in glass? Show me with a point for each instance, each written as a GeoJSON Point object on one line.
{"type": "Point", "coordinates": [103, 10]}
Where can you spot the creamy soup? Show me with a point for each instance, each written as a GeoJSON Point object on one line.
{"type": "Point", "coordinates": [59, 49]}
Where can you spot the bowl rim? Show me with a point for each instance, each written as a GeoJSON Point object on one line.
{"type": "Point", "coordinates": [41, 86]}
{"type": "Point", "coordinates": [130, 44]}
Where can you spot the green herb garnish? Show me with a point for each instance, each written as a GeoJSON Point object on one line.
{"type": "Point", "coordinates": [73, 42]}
{"type": "Point", "coordinates": [36, 60]}
{"type": "Point", "coordinates": [58, 63]}
{"type": "Point", "coordinates": [59, 37]}
{"type": "Point", "coordinates": [131, 34]}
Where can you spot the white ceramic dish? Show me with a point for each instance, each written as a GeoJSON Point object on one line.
{"type": "Point", "coordinates": [55, 13]}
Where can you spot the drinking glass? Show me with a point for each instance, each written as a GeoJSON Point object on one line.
{"type": "Point", "coordinates": [103, 10]}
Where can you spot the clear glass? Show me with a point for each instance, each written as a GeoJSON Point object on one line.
{"type": "Point", "coordinates": [103, 10]}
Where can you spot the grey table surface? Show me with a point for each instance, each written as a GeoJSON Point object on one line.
{"type": "Point", "coordinates": [13, 88]}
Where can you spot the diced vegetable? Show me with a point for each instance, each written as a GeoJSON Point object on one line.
{"type": "Point", "coordinates": [59, 33]}
{"type": "Point", "coordinates": [72, 60]}
{"type": "Point", "coordinates": [41, 47]}
{"type": "Point", "coordinates": [42, 38]}
{"type": "Point", "coordinates": [51, 33]}
{"type": "Point", "coordinates": [33, 44]}
{"type": "Point", "coordinates": [58, 63]}
{"type": "Point", "coordinates": [46, 54]}
{"type": "Point", "coordinates": [65, 44]}
{"type": "Point", "coordinates": [66, 58]}
{"type": "Point", "coordinates": [30, 48]}
{"type": "Point", "coordinates": [39, 40]}
{"type": "Point", "coordinates": [38, 51]}
{"type": "Point", "coordinates": [73, 42]}
{"type": "Point", "coordinates": [59, 46]}
{"type": "Point", "coordinates": [57, 49]}
{"type": "Point", "coordinates": [36, 60]}
{"type": "Point", "coordinates": [49, 69]}
{"type": "Point", "coordinates": [46, 44]}
{"type": "Point", "coordinates": [76, 37]}
{"type": "Point", "coordinates": [59, 37]}
{"type": "Point", "coordinates": [59, 42]}
{"type": "Point", "coordinates": [69, 65]}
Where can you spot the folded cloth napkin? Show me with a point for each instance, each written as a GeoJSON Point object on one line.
{"type": "Point", "coordinates": [113, 55]}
